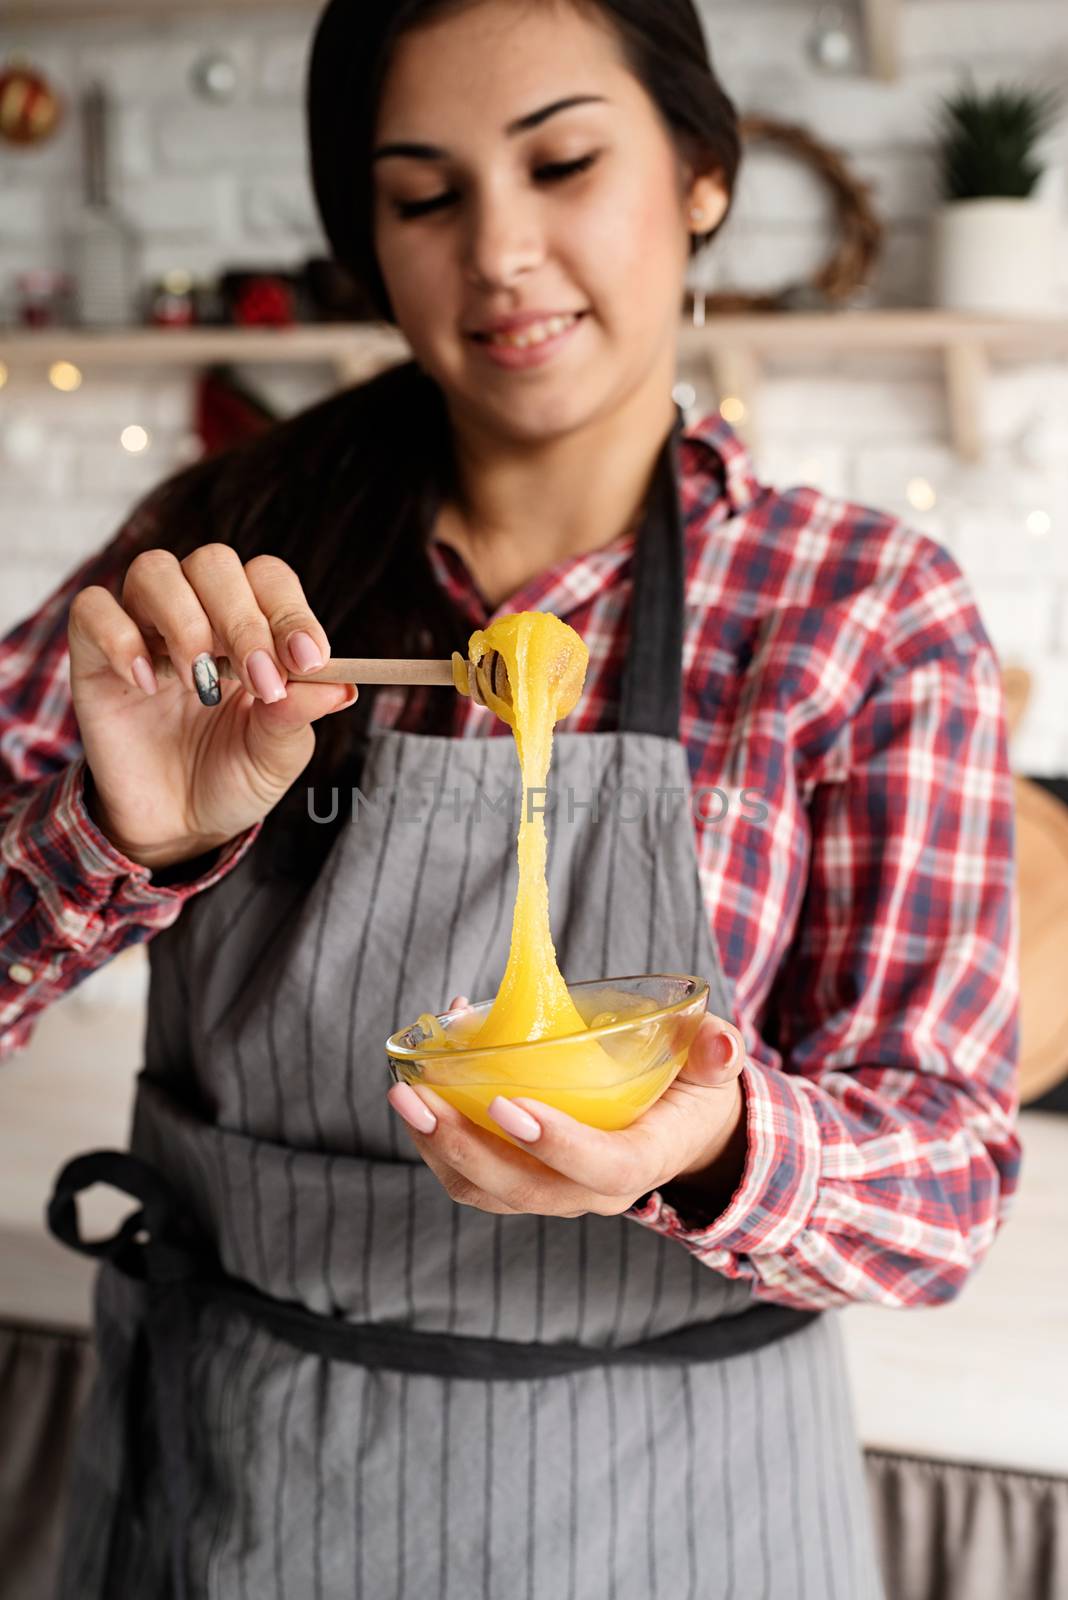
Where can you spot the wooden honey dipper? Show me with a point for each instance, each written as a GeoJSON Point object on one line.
{"type": "Point", "coordinates": [485, 683]}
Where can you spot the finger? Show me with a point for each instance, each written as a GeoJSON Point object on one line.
{"type": "Point", "coordinates": [161, 601]}
{"type": "Point", "coordinates": [278, 735]}
{"type": "Point", "coordinates": [698, 1106]}
{"type": "Point", "coordinates": [456, 1186]}
{"type": "Point", "coordinates": [420, 1122]}
{"type": "Point", "coordinates": [300, 641]}
{"type": "Point", "coordinates": [605, 1166]}
{"type": "Point", "coordinates": [459, 1002]}
{"type": "Point", "coordinates": [304, 703]}
{"type": "Point", "coordinates": [102, 636]}
{"type": "Point", "coordinates": [216, 574]}
{"type": "Point", "coordinates": [716, 1055]}
{"type": "Point", "coordinates": [469, 1162]}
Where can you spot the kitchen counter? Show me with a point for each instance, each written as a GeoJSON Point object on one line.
{"type": "Point", "coordinates": [984, 1379]}
{"type": "Point", "coordinates": [70, 1090]}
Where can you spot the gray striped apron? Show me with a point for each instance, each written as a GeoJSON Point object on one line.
{"type": "Point", "coordinates": [382, 1394]}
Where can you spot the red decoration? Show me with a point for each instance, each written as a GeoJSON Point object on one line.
{"type": "Point", "coordinates": [30, 109]}
{"type": "Point", "coordinates": [264, 302]}
{"type": "Point", "coordinates": [226, 413]}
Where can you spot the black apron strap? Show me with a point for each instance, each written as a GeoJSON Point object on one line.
{"type": "Point", "coordinates": [157, 1247]}
{"type": "Point", "coordinates": [420, 1350]}
{"type": "Point", "coordinates": [651, 698]}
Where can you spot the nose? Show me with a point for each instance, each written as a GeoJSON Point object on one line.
{"type": "Point", "coordinates": [503, 241]}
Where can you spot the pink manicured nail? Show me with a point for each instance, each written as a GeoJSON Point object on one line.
{"type": "Point", "coordinates": [144, 676]}
{"type": "Point", "coordinates": [265, 680]}
{"type": "Point", "coordinates": [407, 1104]}
{"type": "Point", "coordinates": [305, 652]}
{"type": "Point", "coordinates": [514, 1120]}
{"type": "Point", "coordinates": [727, 1049]}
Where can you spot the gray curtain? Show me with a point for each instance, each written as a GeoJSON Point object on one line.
{"type": "Point", "coordinates": [44, 1380]}
{"type": "Point", "coordinates": [953, 1532]}
{"type": "Point", "coordinates": [945, 1531]}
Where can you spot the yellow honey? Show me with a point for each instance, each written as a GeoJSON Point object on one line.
{"type": "Point", "coordinates": [546, 662]}
{"type": "Point", "coordinates": [605, 1081]}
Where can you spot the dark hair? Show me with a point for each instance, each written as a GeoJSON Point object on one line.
{"type": "Point", "coordinates": [346, 491]}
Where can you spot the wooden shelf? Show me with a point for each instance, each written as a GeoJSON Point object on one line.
{"type": "Point", "coordinates": [866, 331]}
{"type": "Point", "coordinates": [737, 350]}
{"type": "Point", "coordinates": [354, 350]}
{"type": "Point", "coordinates": [45, 13]}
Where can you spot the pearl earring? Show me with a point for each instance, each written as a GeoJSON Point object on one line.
{"type": "Point", "coordinates": [698, 310]}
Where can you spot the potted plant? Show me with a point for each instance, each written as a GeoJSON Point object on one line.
{"type": "Point", "coordinates": [995, 242]}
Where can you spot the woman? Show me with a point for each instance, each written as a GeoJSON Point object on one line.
{"type": "Point", "coordinates": [377, 1351]}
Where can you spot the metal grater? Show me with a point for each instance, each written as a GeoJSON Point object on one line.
{"type": "Point", "coordinates": [104, 248]}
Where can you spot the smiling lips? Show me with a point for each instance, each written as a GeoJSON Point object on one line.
{"type": "Point", "coordinates": [535, 333]}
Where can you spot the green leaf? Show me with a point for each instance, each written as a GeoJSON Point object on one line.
{"type": "Point", "coordinates": [987, 140]}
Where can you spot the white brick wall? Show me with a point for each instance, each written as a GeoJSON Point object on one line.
{"type": "Point", "coordinates": [213, 185]}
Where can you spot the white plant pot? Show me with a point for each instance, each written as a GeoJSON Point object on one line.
{"type": "Point", "coordinates": [998, 255]}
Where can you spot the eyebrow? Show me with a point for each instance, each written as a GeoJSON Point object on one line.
{"type": "Point", "coordinates": [533, 119]}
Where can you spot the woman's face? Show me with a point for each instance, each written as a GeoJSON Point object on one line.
{"type": "Point", "coordinates": [493, 222]}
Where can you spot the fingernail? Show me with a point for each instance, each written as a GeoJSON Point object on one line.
{"type": "Point", "coordinates": [144, 676]}
{"type": "Point", "coordinates": [407, 1104]}
{"type": "Point", "coordinates": [305, 652]}
{"type": "Point", "coordinates": [514, 1120]}
{"type": "Point", "coordinates": [206, 678]}
{"type": "Point", "coordinates": [726, 1049]}
{"type": "Point", "coordinates": [348, 697]}
{"type": "Point", "coordinates": [265, 679]}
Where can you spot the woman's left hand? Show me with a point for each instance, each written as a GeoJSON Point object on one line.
{"type": "Point", "coordinates": [572, 1168]}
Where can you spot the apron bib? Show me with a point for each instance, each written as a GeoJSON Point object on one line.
{"type": "Point", "coordinates": [321, 1377]}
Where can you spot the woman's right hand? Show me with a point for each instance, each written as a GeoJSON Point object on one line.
{"type": "Point", "coordinates": [173, 777]}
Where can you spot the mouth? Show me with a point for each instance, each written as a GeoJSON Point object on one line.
{"type": "Point", "coordinates": [530, 337]}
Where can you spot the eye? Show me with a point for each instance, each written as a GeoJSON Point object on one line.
{"type": "Point", "coordinates": [406, 209]}
{"type": "Point", "coordinates": [552, 172]}
{"type": "Point", "coordinates": [565, 169]}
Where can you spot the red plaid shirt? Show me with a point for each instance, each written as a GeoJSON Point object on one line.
{"type": "Point", "coordinates": [834, 661]}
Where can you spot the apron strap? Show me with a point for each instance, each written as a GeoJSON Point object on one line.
{"type": "Point", "coordinates": [651, 699]}
{"type": "Point", "coordinates": [157, 1246]}
{"type": "Point", "coordinates": [154, 1244]}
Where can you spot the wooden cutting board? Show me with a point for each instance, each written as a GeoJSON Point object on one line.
{"type": "Point", "coordinates": [1042, 886]}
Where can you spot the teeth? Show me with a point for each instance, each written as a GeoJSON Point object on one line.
{"type": "Point", "coordinates": [537, 333]}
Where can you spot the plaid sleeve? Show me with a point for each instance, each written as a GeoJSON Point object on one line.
{"type": "Point", "coordinates": [69, 900]}
{"type": "Point", "coordinates": [882, 1154]}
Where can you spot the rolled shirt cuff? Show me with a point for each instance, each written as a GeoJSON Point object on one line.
{"type": "Point", "coordinates": [82, 883]}
{"type": "Point", "coordinates": [777, 1192]}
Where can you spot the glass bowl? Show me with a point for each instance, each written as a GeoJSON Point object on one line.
{"type": "Point", "coordinates": [606, 1076]}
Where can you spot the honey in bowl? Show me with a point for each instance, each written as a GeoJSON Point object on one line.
{"type": "Point", "coordinates": [609, 1065]}
{"type": "Point", "coordinates": [640, 1034]}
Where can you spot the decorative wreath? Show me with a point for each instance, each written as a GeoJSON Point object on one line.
{"type": "Point", "coordinates": [861, 233]}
